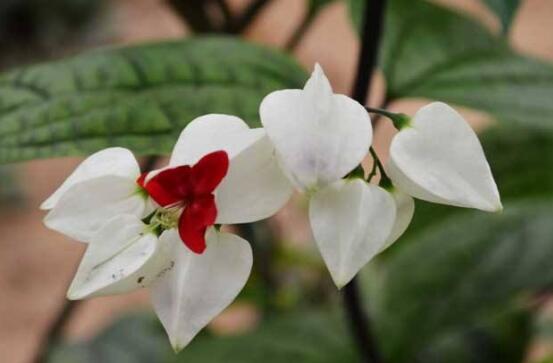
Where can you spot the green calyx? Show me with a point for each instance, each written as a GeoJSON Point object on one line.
{"type": "Point", "coordinates": [400, 120]}
{"type": "Point", "coordinates": [143, 193]}
{"type": "Point", "coordinates": [162, 219]}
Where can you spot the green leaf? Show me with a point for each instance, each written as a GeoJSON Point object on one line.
{"type": "Point", "coordinates": [467, 278]}
{"type": "Point", "coordinates": [505, 11]}
{"type": "Point", "coordinates": [137, 97]}
{"type": "Point", "coordinates": [135, 338]}
{"type": "Point", "coordinates": [307, 338]}
{"type": "Point", "coordinates": [432, 52]}
{"type": "Point", "coordinates": [312, 337]}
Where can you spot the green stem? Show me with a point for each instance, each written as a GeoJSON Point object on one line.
{"type": "Point", "coordinates": [400, 120]}
{"type": "Point", "coordinates": [377, 164]}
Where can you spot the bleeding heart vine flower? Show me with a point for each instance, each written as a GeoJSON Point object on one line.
{"type": "Point", "coordinates": [220, 172]}
{"type": "Point", "coordinates": [101, 187]}
{"type": "Point", "coordinates": [319, 138]}
{"type": "Point", "coordinates": [437, 157]}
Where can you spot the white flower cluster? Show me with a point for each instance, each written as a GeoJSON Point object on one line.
{"type": "Point", "coordinates": [158, 230]}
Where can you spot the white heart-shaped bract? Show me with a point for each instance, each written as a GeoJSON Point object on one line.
{"type": "Point", "coordinates": [319, 136]}
{"type": "Point", "coordinates": [255, 186]}
{"type": "Point", "coordinates": [188, 296]}
{"type": "Point", "coordinates": [210, 133]}
{"type": "Point", "coordinates": [86, 206]}
{"type": "Point", "coordinates": [438, 158]}
{"type": "Point", "coordinates": [121, 257]}
{"type": "Point", "coordinates": [111, 161]}
{"type": "Point", "coordinates": [405, 209]}
{"type": "Point", "coordinates": [351, 221]}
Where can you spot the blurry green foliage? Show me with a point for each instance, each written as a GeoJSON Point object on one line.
{"type": "Point", "coordinates": [505, 10]}
{"type": "Point", "coordinates": [311, 337]}
{"type": "Point", "coordinates": [136, 97]}
{"type": "Point", "coordinates": [135, 338]}
{"type": "Point", "coordinates": [432, 52]}
{"type": "Point", "coordinates": [459, 274]}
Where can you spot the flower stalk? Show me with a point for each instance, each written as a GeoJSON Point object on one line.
{"type": "Point", "coordinates": [373, 18]}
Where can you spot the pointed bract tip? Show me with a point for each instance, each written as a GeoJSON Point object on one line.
{"type": "Point", "coordinates": [341, 282]}
{"type": "Point", "coordinates": [177, 348]}
{"type": "Point", "coordinates": [46, 205]}
{"type": "Point", "coordinates": [317, 69]}
{"type": "Point", "coordinates": [71, 295]}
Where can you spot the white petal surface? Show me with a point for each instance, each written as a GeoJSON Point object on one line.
{"type": "Point", "coordinates": [319, 136]}
{"type": "Point", "coordinates": [351, 221]}
{"type": "Point", "coordinates": [111, 161]}
{"type": "Point", "coordinates": [198, 287]}
{"type": "Point", "coordinates": [254, 188]}
{"type": "Point", "coordinates": [439, 159]}
{"type": "Point", "coordinates": [210, 133]}
{"type": "Point", "coordinates": [405, 208]}
{"type": "Point", "coordinates": [120, 258]}
{"type": "Point", "coordinates": [86, 206]}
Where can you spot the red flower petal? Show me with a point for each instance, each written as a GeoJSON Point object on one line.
{"type": "Point", "coordinates": [194, 220]}
{"type": "Point", "coordinates": [170, 186]}
{"type": "Point", "coordinates": [209, 172]}
{"type": "Point", "coordinates": [141, 180]}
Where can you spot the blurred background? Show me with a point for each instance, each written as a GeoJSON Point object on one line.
{"type": "Point", "coordinates": [290, 298]}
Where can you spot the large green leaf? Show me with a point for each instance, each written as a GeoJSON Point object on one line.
{"type": "Point", "coordinates": [505, 10]}
{"type": "Point", "coordinates": [466, 275]}
{"type": "Point", "coordinates": [432, 52]}
{"type": "Point", "coordinates": [132, 339]}
{"type": "Point", "coordinates": [312, 337]}
{"type": "Point", "coordinates": [137, 97]}
{"type": "Point", "coordinates": [307, 338]}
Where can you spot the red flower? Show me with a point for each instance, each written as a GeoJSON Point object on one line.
{"type": "Point", "coordinates": [191, 188]}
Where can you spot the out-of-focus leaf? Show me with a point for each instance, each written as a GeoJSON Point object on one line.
{"type": "Point", "coordinates": [312, 337]}
{"type": "Point", "coordinates": [307, 338]}
{"type": "Point", "coordinates": [137, 97]}
{"type": "Point", "coordinates": [432, 52]}
{"type": "Point", "coordinates": [505, 11]}
{"type": "Point", "coordinates": [133, 339]}
{"type": "Point", "coordinates": [455, 279]}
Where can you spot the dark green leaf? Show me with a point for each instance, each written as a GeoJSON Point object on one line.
{"type": "Point", "coordinates": [136, 97]}
{"type": "Point", "coordinates": [310, 337]}
{"type": "Point", "coordinates": [432, 52]}
{"type": "Point", "coordinates": [307, 338]}
{"type": "Point", "coordinates": [463, 279]}
{"type": "Point", "coordinates": [505, 11]}
{"type": "Point", "coordinates": [133, 339]}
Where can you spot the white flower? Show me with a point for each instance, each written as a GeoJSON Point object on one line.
{"type": "Point", "coordinates": [319, 138]}
{"type": "Point", "coordinates": [437, 157]}
{"type": "Point", "coordinates": [220, 172]}
{"type": "Point", "coordinates": [103, 186]}
{"type": "Point", "coordinates": [351, 221]}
